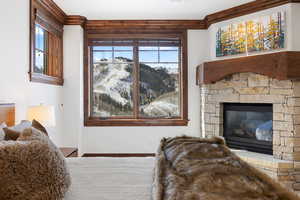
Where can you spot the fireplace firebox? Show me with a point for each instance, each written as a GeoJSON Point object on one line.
{"type": "Point", "coordinates": [249, 126]}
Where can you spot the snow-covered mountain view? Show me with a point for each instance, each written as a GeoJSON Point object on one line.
{"type": "Point", "coordinates": [113, 86]}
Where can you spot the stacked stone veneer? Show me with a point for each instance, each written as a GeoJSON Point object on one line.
{"type": "Point", "coordinates": [255, 88]}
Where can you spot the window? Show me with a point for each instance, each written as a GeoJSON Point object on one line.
{"type": "Point", "coordinates": [159, 87]}
{"type": "Point", "coordinates": [46, 46]}
{"type": "Point", "coordinates": [41, 53]}
{"type": "Point", "coordinates": [136, 81]}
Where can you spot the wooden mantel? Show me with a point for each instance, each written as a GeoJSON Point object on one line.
{"type": "Point", "coordinates": [282, 66]}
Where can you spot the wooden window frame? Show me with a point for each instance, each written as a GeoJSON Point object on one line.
{"type": "Point", "coordinates": [154, 34]}
{"type": "Point", "coordinates": [52, 25]}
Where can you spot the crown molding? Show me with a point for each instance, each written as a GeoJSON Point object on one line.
{"type": "Point", "coordinates": [54, 9]}
{"type": "Point", "coordinates": [223, 15]}
{"type": "Point", "coordinates": [144, 24]}
{"type": "Point", "coordinates": [75, 20]}
{"type": "Point", "coordinates": [245, 9]}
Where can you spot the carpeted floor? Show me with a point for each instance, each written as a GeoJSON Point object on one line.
{"type": "Point", "coordinates": [110, 178]}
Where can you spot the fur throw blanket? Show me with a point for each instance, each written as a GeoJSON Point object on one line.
{"type": "Point", "coordinates": [32, 168]}
{"type": "Point", "coordinates": [191, 168]}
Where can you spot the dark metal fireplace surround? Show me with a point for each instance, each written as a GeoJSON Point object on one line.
{"type": "Point", "coordinates": [249, 126]}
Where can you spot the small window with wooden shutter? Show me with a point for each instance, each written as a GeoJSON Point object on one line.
{"type": "Point", "coordinates": [46, 46]}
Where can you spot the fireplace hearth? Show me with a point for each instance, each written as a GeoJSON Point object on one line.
{"type": "Point", "coordinates": [249, 126]}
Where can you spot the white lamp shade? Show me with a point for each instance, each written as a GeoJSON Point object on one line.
{"type": "Point", "coordinates": [43, 114]}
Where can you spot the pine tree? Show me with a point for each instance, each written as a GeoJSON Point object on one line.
{"type": "Point", "coordinates": [280, 31]}
{"type": "Point", "coordinates": [241, 38]}
{"type": "Point", "coordinates": [271, 35]}
{"type": "Point", "coordinates": [219, 46]}
{"type": "Point", "coordinates": [250, 36]}
{"type": "Point", "coordinates": [259, 41]}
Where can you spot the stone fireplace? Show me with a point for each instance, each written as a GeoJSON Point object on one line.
{"type": "Point", "coordinates": [254, 103]}
{"type": "Point", "coordinates": [280, 100]}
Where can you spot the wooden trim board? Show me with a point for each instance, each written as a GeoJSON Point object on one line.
{"type": "Point", "coordinates": [54, 9]}
{"type": "Point", "coordinates": [119, 155]}
{"type": "Point", "coordinates": [144, 24]}
{"type": "Point", "coordinates": [75, 20]}
{"type": "Point", "coordinates": [69, 151]}
{"type": "Point", "coordinates": [210, 19]}
{"type": "Point", "coordinates": [244, 9]}
{"type": "Point", "coordinates": [281, 65]}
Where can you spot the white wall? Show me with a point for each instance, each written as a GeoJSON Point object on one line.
{"type": "Point", "coordinates": [72, 95]}
{"type": "Point", "coordinates": [295, 25]}
{"type": "Point", "coordinates": [14, 65]}
{"type": "Point", "coordinates": [126, 139]}
{"type": "Point", "coordinates": [15, 86]}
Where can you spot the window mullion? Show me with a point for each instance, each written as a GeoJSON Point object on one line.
{"type": "Point", "coordinates": [180, 79]}
{"type": "Point", "coordinates": [158, 52]}
{"type": "Point", "coordinates": [136, 74]}
{"type": "Point", "coordinates": [47, 58]}
{"type": "Point", "coordinates": [91, 75]}
{"type": "Point", "coordinates": [113, 54]}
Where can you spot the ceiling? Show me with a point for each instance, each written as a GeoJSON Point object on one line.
{"type": "Point", "coordinates": [145, 9]}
